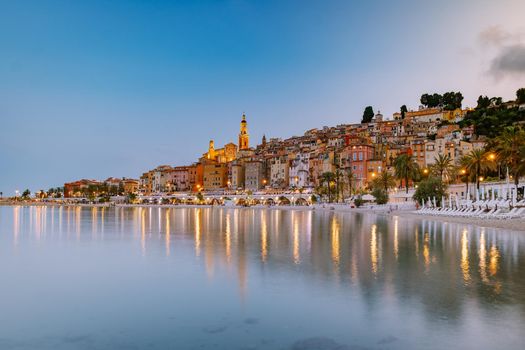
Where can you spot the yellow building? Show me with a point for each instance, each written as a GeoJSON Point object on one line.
{"type": "Point", "coordinates": [215, 176]}
{"type": "Point", "coordinates": [244, 137]}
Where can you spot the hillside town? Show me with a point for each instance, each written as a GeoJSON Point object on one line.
{"type": "Point", "coordinates": [334, 163]}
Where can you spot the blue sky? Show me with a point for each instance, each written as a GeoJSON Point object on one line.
{"type": "Point", "coordinates": [92, 89]}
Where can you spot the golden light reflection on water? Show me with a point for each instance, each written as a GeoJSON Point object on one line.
{"type": "Point", "coordinates": [335, 241]}
{"type": "Point", "coordinates": [494, 260]}
{"type": "Point", "coordinates": [426, 250]}
{"type": "Point", "coordinates": [264, 236]}
{"type": "Point", "coordinates": [332, 244]}
{"type": "Point", "coordinates": [373, 249]}
{"type": "Point", "coordinates": [396, 238]}
{"type": "Point", "coordinates": [296, 251]}
{"type": "Point", "coordinates": [482, 254]}
{"type": "Point", "coordinates": [197, 224]}
{"type": "Point", "coordinates": [228, 238]}
{"type": "Point", "coordinates": [464, 257]}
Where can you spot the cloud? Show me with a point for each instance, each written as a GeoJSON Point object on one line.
{"type": "Point", "coordinates": [494, 36]}
{"type": "Point", "coordinates": [509, 60]}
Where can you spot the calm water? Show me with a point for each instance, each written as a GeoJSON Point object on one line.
{"type": "Point", "coordinates": [151, 278]}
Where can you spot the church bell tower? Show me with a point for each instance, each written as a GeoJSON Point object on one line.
{"type": "Point", "coordinates": [244, 138]}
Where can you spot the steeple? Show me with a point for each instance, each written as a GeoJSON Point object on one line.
{"type": "Point", "coordinates": [264, 141]}
{"type": "Point", "coordinates": [211, 150]}
{"type": "Point", "coordinates": [244, 138]}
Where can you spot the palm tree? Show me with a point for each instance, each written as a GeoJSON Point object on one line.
{"type": "Point", "coordinates": [384, 181]}
{"type": "Point", "coordinates": [442, 166]}
{"type": "Point", "coordinates": [510, 148]}
{"type": "Point", "coordinates": [477, 162]}
{"type": "Point", "coordinates": [337, 177]}
{"type": "Point", "coordinates": [350, 177]}
{"type": "Point", "coordinates": [406, 168]}
{"type": "Point", "coordinates": [328, 178]}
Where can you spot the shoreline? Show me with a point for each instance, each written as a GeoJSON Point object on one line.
{"type": "Point", "coordinates": [517, 224]}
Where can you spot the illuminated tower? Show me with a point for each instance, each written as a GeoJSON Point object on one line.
{"type": "Point", "coordinates": [211, 150]}
{"type": "Point", "coordinates": [244, 138]}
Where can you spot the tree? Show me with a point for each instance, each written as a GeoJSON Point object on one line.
{"type": "Point", "coordinates": [431, 101]}
{"type": "Point", "coordinates": [430, 188]}
{"type": "Point", "coordinates": [384, 181]}
{"type": "Point", "coordinates": [404, 110]}
{"type": "Point", "coordinates": [200, 197]}
{"type": "Point", "coordinates": [442, 166]}
{"type": "Point", "coordinates": [452, 100]}
{"type": "Point", "coordinates": [328, 178]}
{"type": "Point", "coordinates": [132, 197]}
{"type": "Point", "coordinates": [477, 162]}
{"type": "Point", "coordinates": [510, 149]}
{"type": "Point", "coordinates": [380, 195]}
{"type": "Point", "coordinates": [406, 168]}
{"type": "Point", "coordinates": [520, 95]}
{"type": "Point", "coordinates": [26, 193]}
{"type": "Point", "coordinates": [350, 177]}
{"type": "Point", "coordinates": [359, 201]}
{"type": "Point", "coordinates": [368, 115]}
{"type": "Point", "coordinates": [338, 175]}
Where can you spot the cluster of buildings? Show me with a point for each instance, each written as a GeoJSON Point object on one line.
{"type": "Point", "coordinates": [364, 150]}
{"type": "Point", "coordinates": [110, 185]}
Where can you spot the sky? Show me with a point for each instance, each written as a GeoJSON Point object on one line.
{"type": "Point", "coordinates": [92, 89]}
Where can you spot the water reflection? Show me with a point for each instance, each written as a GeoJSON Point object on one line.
{"type": "Point", "coordinates": [425, 260]}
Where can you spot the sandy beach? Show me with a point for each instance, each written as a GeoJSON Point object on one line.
{"type": "Point", "coordinates": [508, 224]}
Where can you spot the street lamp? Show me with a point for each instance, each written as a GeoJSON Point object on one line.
{"type": "Point", "coordinates": [464, 173]}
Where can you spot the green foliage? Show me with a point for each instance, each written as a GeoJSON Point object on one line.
{"type": "Point", "coordinates": [520, 95]}
{"type": "Point", "coordinates": [200, 197]}
{"type": "Point", "coordinates": [510, 150]}
{"type": "Point", "coordinates": [430, 188]}
{"type": "Point", "coordinates": [491, 117]}
{"type": "Point", "coordinates": [477, 163]}
{"type": "Point", "coordinates": [313, 198]}
{"type": "Point", "coordinates": [368, 115]}
{"type": "Point", "coordinates": [359, 201]}
{"type": "Point", "coordinates": [448, 101]}
{"type": "Point", "coordinates": [328, 179]}
{"type": "Point", "coordinates": [132, 197]}
{"type": "Point", "coordinates": [381, 195]}
{"type": "Point", "coordinates": [406, 168]}
{"type": "Point", "coordinates": [384, 181]}
{"type": "Point", "coordinates": [442, 166]}
{"type": "Point", "coordinates": [403, 110]}
{"type": "Point", "coordinates": [26, 193]}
